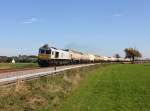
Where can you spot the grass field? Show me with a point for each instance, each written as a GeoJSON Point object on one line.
{"type": "Point", "coordinates": [17, 65]}
{"type": "Point", "coordinates": [117, 87]}
{"type": "Point", "coordinates": [114, 88]}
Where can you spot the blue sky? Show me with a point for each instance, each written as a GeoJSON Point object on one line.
{"type": "Point", "coordinates": [103, 27]}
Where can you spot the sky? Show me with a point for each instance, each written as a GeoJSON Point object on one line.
{"type": "Point", "coordinates": [103, 27]}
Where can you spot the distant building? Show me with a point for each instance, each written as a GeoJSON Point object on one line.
{"type": "Point", "coordinates": [13, 61]}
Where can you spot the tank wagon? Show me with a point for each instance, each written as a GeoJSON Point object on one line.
{"type": "Point", "coordinates": [85, 58]}
{"type": "Point", "coordinates": [75, 56]}
{"type": "Point", "coordinates": [49, 56]}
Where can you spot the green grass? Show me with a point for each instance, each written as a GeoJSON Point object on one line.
{"type": "Point", "coordinates": [17, 65]}
{"type": "Point", "coordinates": [117, 87]}
{"type": "Point", "coordinates": [114, 88]}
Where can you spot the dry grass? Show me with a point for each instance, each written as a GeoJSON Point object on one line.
{"type": "Point", "coordinates": [42, 93]}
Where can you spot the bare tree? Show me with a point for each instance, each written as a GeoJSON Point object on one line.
{"type": "Point", "coordinates": [132, 53]}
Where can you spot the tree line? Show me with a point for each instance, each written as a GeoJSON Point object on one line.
{"type": "Point", "coordinates": [19, 59]}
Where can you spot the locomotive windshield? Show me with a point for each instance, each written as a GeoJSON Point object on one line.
{"type": "Point", "coordinates": [48, 51]}
{"type": "Point", "coordinates": [42, 51]}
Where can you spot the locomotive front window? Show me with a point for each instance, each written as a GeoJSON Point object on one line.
{"type": "Point", "coordinates": [48, 51]}
{"type": "Point", "coordinates": [41, 51]}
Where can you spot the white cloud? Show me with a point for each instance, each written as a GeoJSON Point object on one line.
{"type": "Point", "coordinates": [31, 20]}
{"type": "Point", "coordinates": [117, 15]}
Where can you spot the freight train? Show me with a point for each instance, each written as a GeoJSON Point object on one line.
{"type": "Point", "coordinates": [50, 56]}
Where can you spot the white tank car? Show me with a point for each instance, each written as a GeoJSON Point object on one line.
{"type": "Point", "coordinates": [91, 57]}
{"type": "Point", "coordinates": [85, 57]}
{"type": "Point", "coordinates": [97, 58]}
{"type": "Point", "coordinates": [127, 60]}
{"type": "Point", "coordinates": [104, 58]}
{"type": "Point", "coordinates": [113, 59]}
{"type": "Point", "coordinates": [121, 59]}
{"type": "Point", "coordinates": [75, 56]}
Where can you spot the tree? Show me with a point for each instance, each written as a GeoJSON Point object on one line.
{"type": "Point", "coordinates": [117, 56]}
{"type": "Point", "coordinates": [132, 53]}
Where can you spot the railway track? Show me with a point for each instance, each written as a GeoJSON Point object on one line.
{"type": "Point", "coordinates": [12, 77]}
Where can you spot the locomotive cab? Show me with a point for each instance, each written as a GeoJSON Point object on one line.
{"type": "Point", "coordinates": [44, 56]}
{"type": "Point", "coordinates": [52, 56]}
